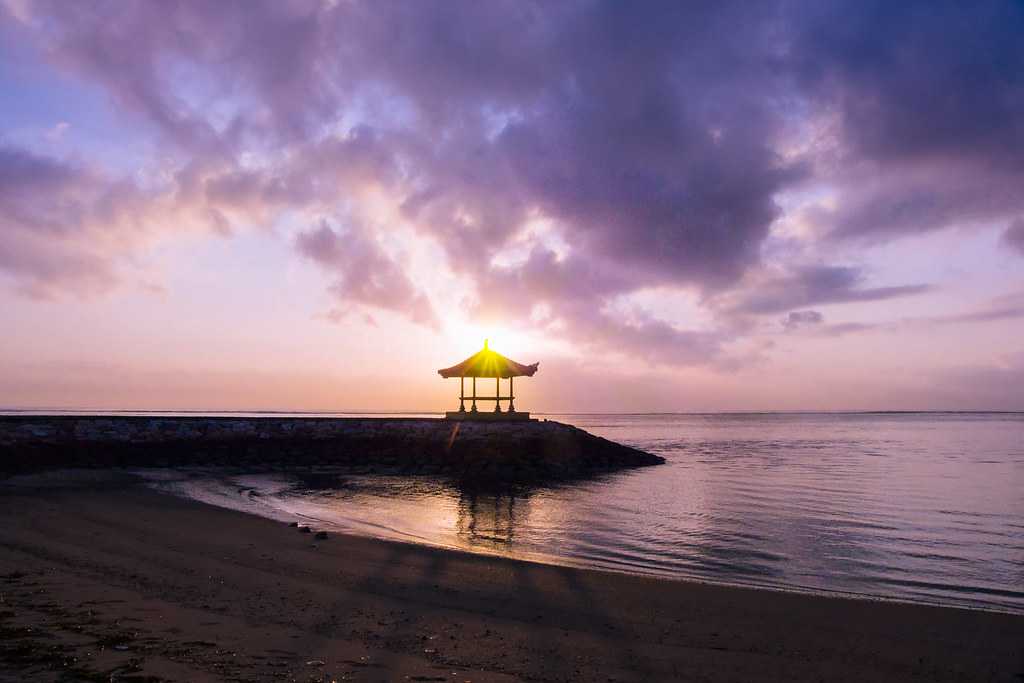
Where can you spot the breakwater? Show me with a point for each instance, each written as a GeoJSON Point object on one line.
{"type": "Point", "coordinates": [514, 451]}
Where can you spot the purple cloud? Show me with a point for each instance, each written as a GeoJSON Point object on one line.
{"type": "Point", "coordinates": [993, 386]}
{"type": "Point", "coordinates": [929, 99]}
{"type": "Point", "coordinates": [798, 319]}
{"type": "Point", "coordinates": [1007, 307]}
{"type": "Point", "coordinates": [653, 141]}
{"type": "Point", "coordinates": [363, 272]}
{"type": "Point", "coordinates": [810, 285]}
{"type": "Point", "coordinates": [62, 224]}
{"type": "Point", "coordinates": [1014, 236]}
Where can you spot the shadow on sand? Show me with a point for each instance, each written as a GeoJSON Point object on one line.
{"type": "Point", "coordinates": [553, 606]}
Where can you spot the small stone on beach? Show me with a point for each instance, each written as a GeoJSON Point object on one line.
{"type": "Point", "coordinates": [305, 530]}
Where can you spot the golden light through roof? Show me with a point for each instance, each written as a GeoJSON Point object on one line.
{"type": "Point", "coordinates": [489, 363]}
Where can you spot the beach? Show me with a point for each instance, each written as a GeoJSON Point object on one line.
{"type": "Point", "coordinates": [511, 341]}
{"type": "Point", "coordinates": [117, 582]}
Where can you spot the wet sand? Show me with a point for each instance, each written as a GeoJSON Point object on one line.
{"type": "Point", "coordinates": [122, 583]}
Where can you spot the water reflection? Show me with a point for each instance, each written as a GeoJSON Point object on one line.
{"type": "Point", "coordinates": [487, 519]}
{"type": "Point", "coordinates": [923, 507]}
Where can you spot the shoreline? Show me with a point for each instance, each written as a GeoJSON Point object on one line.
{"type": "Point", "coordinates": [129, 579]}
{"type": "Point", "coordinates": [569, 562]}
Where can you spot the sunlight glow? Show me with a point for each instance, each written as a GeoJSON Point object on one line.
{"type": "Point", "coordinates": [469, 338]}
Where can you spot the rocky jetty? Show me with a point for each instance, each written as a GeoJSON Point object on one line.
{"type": "Point", "coordinates": [478, 450]}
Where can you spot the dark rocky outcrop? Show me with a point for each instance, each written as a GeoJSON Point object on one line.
{"type": "Point", "coordinates": [478, 450]}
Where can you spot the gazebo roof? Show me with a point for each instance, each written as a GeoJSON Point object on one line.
{"type": "Point", "coordinates": [487, 363]}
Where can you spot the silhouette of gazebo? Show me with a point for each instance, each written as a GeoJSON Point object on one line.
{"type": "Point", "coordinates": [487, 363]}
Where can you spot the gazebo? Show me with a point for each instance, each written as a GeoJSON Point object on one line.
{"type": "Point", "coordinates": [487, 363]}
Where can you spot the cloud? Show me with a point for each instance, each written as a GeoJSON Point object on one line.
{"type": "Point", "coordinates": [798, 319]}
{"type": "Point", "coordinates": [928, 100]}
{"type": "Point", "coordinates": [363, 272]}
{"type": "Point", "coordinates": [982, 316]}
{"type": "Point", "coordinates": [993, 386]}
{"type": "Point", "coordinates": [653, 141]}
{"type": "Point", "coordinates": [914, 80]}
{"type": "Point", "coordinates": [809, 285]}
{"type": "Point", "coordinates": [576, 294]}
{"type": "Point", "coordinates": [71, 227]}
{"type": "Point", "coordinates": [67, 226]}
{"type": "Point", "coordinates": [61, 222]}
{"type": "Point", "coordinates": [140, 54]}
{"type": "Point", "coordinates": [1014, 236]}
{"type": "Point", "coordinates": [57, 132]}
{"type": "Point", "coordinates": [1007, 307]}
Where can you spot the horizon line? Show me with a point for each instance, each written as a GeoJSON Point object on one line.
{"type": "Point", "coordinates": [201, 411]}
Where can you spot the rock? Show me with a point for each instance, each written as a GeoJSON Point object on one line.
{"type": "Point", "coordinates": [497, 451]}
{"type": "Point", "coordinates": [321, 536]}
{"type": "Point", "coordinates": [293, 524]}
{"type": "Point", "coordinates": [305, 530]}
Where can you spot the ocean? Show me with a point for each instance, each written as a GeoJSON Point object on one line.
{"type": "Point", "coordinates": [921, 507]}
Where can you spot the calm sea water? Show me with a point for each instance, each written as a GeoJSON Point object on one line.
{"type": "Point", "coordinates": [923, 507]}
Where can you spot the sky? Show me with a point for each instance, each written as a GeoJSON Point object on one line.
{"type": "Point", "coordinates": [290, 205]}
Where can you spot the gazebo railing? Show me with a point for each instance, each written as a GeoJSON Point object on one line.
{"type": "Point", "coordinates": [497, 398]}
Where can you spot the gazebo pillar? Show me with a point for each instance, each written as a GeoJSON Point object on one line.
{"type": "Point", "coordinates": [486, 363]}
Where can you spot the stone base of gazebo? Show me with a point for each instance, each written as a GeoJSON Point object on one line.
{"type": "Point", "coordinates": [488, 448]}
{"type": "Point", "coordinates": [486, 416]}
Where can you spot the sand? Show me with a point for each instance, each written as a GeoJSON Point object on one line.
{"type": "Point", "coordinates": [122, 583]}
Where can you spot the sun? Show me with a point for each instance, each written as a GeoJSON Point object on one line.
{"type": "Point", "coordinates": [469, 337]}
